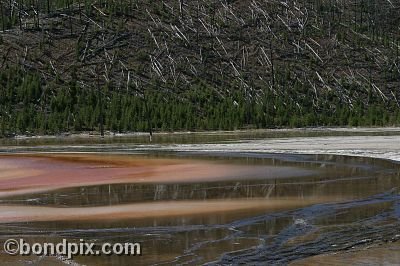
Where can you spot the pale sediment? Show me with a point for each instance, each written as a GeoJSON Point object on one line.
{"type": "Point", "coordinates": [12, 213]}
{"type": "Point", "coordinates": [35, 173]}
{"type": "Point", "coordinates": [383, 147]}
{"type": "Point", "coordinates": [386, 254]}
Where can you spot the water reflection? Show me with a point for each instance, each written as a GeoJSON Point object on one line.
{"type": "Point", "coordinates": [343, 202]}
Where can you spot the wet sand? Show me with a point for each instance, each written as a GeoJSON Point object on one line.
{"type": "Point", "coordinates": [21, 174]}
{"type": "Point", "coordinates": [383, 143]}
{"type": "Point", "coordinates": [386, 254]}
{"type": "Point", "coordinates": [33, 260]}
{"type": "Point", "coordinates": [383, 147]}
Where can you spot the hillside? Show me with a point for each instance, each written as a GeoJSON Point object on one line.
{"type": "Point", "coordinates": [188, 65]}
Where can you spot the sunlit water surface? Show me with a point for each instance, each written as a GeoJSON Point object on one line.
{"type": "Point", "coordinates": [337, 204]}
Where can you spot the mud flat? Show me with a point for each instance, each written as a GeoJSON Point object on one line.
{"type": "Point", "coordinates": [383, 147]}
{"type": "Point", "coordinates": [263, 200]}
{"type": "Point", "coordinates": [386, 254]}
{"type": "Point", "coordinates": [383, 143]}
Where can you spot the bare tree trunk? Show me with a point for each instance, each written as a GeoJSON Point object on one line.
{"type": "Point", "coordinates": [101, 115]}
{"type": "Point", "coordinates": [37, 14]}
{"type": "Point", "coordinates": [70, 15]}
{"type": "Point", "coordinates": [272, 63]}
{"type": "Point", "coordinates": [2, 16]}
{"type": "Point", "coordinates": [197, 17]}
{"type": "Point", "coordinates": [19, 14]}
{"type": "Point", "coordinates": [148, 114]}
{"type": "Point", "coordinates": [181, 7]}
{"type": "Point", "coordinates": [80, 10]}
{"type": "Point", "coordinates": [101, 119]}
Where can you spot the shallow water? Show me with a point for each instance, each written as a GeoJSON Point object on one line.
{"type": "Point", "coordinates": [271, 209]}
